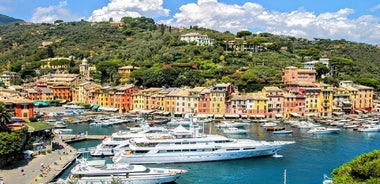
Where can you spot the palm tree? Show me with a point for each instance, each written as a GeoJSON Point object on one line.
{"type": "Point", "coordinates": [5, 118]}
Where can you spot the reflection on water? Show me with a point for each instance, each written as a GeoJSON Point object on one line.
{"type": "Point", "coordinates": [305, 162]}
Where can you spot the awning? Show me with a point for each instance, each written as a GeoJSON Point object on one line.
{"type": "Point", "coordinates": [201, 116]}
{"type": "Point", "coordinates": [244, 116]}
{"type": "Point", "coordinates": [231, 115]}
{"type": "Point", "coordinates": [205, 115]}
{"type": "Point", "coordinates": [110, 109]}
{"type": "Point", "coordinates": [294, 114]}
{"type": "Point", "coordinates": [311, 114]}
{"type": "Point", "coordinates": [338, 113]}
{"type": "Point", "coordinates": [260, 116]}
{"type": "Point", "coordinates": [95, 107]}
{"type": "Point", "coordinates": [218, 116]}
{"type": "Point", "coordinates": [278, 115]}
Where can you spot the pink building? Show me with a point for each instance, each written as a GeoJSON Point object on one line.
{"type": "Point", "coordinates": [275, 101]}
{"type": "Point", "coordinates": [293, 74]}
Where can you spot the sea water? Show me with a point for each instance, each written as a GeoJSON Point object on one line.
{"type": "Point", "coordinates": [305, 162]}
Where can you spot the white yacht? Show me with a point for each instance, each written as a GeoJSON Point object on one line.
{"type": "Point", "coordinates": [98, 172]}
{"type": "Point", "coordinates": [369, 128]}
{"type": "Point", "coordinates": [229, 124]}
{"type": "Point", "coordinates": [190, 146]}
{"type": "Point", "coordinates": [119, 141]}
{"type": "Point", "coordinates": [323, 130]}
{"type": "Point", "coordinates": [234, 130]}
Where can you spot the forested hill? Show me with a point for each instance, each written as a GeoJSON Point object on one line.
{"type": "Point", "coordinates": [163, 60]}
{"type": "Point", "coordinates": [8, 20]}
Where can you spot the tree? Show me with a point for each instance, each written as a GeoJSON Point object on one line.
{"type": "Point", "coordinates": [321, 69]}
{"type": "Point", "coordinates": [362, 169]}
{"type": "Point", "coordinates": [5, 118]}
{"type": "Point", "coordinates": [243, 34]}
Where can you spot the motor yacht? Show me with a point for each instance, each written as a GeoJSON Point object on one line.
{"type": "Point", "coordinates": [323, 130]}
{"type": "Point", "coordinates": [184, 145]}
{"type": "Point", "coordinates": [98, 172]}
{"type": "Point", "coordinates": [119, 141]}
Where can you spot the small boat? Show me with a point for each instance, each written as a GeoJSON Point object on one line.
{"type": "Point", "coordinates": [327, 180]}
{"type": "Point", "coordinates": [60, 131]}
{"type": "Point", "coordinates": [274, 128]}
{"type": "Point", "coordinates": [369, 128]}
{"type": "Point", "coordinates": [60, 124]}
{"type": "Point", "coordinates": [268, 124]}
{"type": "Point", "coordinates": [234, 130]}
{"type": "Point", "coordinates": [323, 130]}
{"type": "Point", "coordinates": [228, 124]}
{"type": "Point", "coordinates": [283, 132]}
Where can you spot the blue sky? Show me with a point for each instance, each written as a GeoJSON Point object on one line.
{"type": "Point", "coordinates": [352, 20]}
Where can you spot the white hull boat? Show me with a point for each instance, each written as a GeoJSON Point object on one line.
{"type": "Point", "coordinates": [369, 128]}
{"type": "Point", "coordinates": [228, 124]}
{"type": "Point", "coordinates": [323, 130]}
{"type": "Point", "coordinates": [234, 130]}
{"type": "Point", "coordinates": [188, 146]}
{"type": "Point", "coordinates": [119, 141]}
{"type": "Point", "coordinates": [97, 172]}
{"type": "Point", "coordinates": [283, 132]}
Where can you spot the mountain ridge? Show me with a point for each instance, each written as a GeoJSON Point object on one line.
{"type": "Point", "coordinates": [4, 20]}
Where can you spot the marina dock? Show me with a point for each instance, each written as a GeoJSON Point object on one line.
{"type": "Point", "coordinates": [51, 170]}
{"type": "Point", "coordinates": [45, 168]}
{"type": "Point", "coordinates": [70, 138]}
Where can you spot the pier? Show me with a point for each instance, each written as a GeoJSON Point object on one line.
{"type": "Point", "coordinates": [70, 138]}
{"type": "Point", "coordinates": [57, 162]}
{"type": "Point", "coordinates": [46, 167]}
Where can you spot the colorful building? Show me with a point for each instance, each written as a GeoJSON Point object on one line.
{"type": "Point", "coordinates": [293, 74]}
{"type": "Point", "coordinates": [275, 97]}
{"type": "Point", "coordinates": [61, 91]}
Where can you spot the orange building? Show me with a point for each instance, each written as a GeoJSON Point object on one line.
{"type": "Point", "coordinates": [204, 106]}
{"type": "Point", "coordinates": [61, 91]}
{"type": "Point", "coordinates": [21, 107]}
{"type": "Point", "coordinates": [293, 74]}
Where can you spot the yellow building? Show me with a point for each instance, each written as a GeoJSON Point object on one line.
{"type": "Point", "coordinates": [125, 72]}
{"type": "Point", "coordinates": [218, 94]}
{"type": "Point", "coordinates": [257, 106]}
{"type": "Point", "coordinates": [342, 103]}
{"type": "Point", "coordinates": [364, 99]}
{"type": "Point", "coordinates": [141, 98]}
{"type": "Point", "coordinates": [312, 101]}
{"type": "Point", "coordinates": [326, 100]}
{"type": "Point", "coordinates": [194, 98]}
{"type": "Point", "coordinates": [83, 93]}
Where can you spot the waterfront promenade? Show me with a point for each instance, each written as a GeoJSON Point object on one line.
{"type": "Point", "coordinates": [42, 168]}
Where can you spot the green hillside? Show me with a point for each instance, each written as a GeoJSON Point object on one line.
{"type": "Point", "coordinates": [164, 60]}
{"type": "Point", "coordinates": [8, 20]}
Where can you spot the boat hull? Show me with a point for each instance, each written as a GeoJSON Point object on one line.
{"type": "Point", "coordinates": [129, 180]}
{"type": "Point", "coordinates": [186, 157]}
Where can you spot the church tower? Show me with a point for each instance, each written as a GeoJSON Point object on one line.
{"type": "Point", "coordinates": [84, 69]}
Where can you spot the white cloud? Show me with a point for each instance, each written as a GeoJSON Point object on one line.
{"type": "Point", "coordinates": [52, 13]}
{"type": "Point", "coordinates": [300, 23]}
{"type": "Point", "coordinates": [375, 8]}
{"type": "Point", "coordinates": [116, 9]}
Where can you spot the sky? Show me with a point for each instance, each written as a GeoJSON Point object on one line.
{"type": "Point", "coordinates": [352, 20]}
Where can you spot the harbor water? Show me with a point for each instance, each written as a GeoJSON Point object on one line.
{"type": "Point", "coordinates": [305, 162]}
